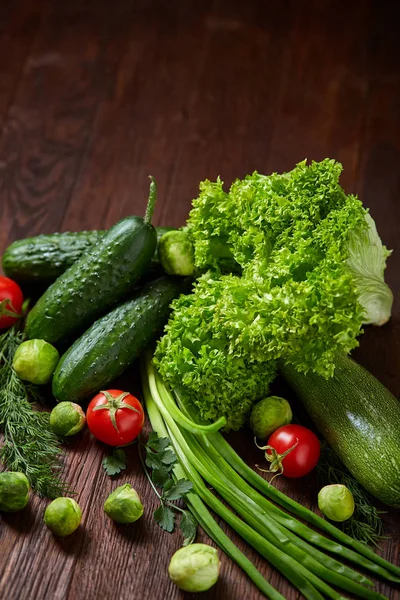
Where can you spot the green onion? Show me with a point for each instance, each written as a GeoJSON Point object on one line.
{"type": "Point", "coordinates": [184, 421]}
{"type": "Point", "coordinates": [199, 510]}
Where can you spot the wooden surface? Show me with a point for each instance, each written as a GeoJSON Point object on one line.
{"type": "Point", "coordinates": [95, 96]}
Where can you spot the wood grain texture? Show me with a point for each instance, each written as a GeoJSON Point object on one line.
{"type": "Point", "coordinates": [94, 97]}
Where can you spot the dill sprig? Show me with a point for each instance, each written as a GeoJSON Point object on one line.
{"type": "Point", "coordinates": [29, 444]}
{"type": "Point", "coordinates": [365, 525]}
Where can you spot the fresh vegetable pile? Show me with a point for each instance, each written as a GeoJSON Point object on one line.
{"type": "Point", "coordinates": [285, 270]}
{"type": "Point", "coordinates": [292, 547]}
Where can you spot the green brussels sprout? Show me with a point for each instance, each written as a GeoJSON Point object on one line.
{"type": "Point", "coordinates": [35, 361]}
{"type": "Point", "coordinates": [268, 415]}
{"type": "Point", "coordinates": [336, 502]}
{"type": "Point", "coordinates": [176, 253]}
{"type": "Point", "coordinates": [14, 491]}
{"type": "Point", "coordinates": [67, 418]}
{"type": "Point", "coordinates": [194, 568]}
{"type": "Point", "coordinates": [63, 516]}
{"type": "Point", "coordinates": [123, 505]}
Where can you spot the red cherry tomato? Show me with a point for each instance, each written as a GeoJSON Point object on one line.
{"type": "Point", "coordinates": [305, 449]}
{"type": "Point", "coordinates": [115, 417]}
{"type": "Point", "coordinates": [10, 291]}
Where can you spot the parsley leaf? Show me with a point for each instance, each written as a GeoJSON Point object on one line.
{"type": "Point", "coordinates": [161, 459]}
{"type": "Point", "coordinates": [188, 526]}
{"type": "Point", "coordinates": [168, 457]}
{"type": "Point", "coordinates": [115, 463]}
{"type": "Point", "coordinates": [175, 491]}
{"type": "Point", "coordinates": [157, 444]}
{"type": "Point", "coordinates": [157, 460]}
{"type": "Point", "coordinates": [165, 517]}
{"type": "Point", "coordinates": [160, 477]}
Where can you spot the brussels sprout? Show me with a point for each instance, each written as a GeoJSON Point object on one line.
{"type": "Point", "coordinates": [123, 505]}
{"type": "Point", "coordinates": [268, 415]}
{"type": "Point", "coordinates": [63, 516]}
{"type": "Point", "coordinates": [67, 418]}
{"type": "Point", "coordinates": [35, 361]}
{"type": "Point", "coordinates": [176, 253]}
{"type": "Point", "coordinates": [336, 502]}
{"type": "Point", "coordinates": [14, 491]}
{"type": "Point", "coordinates": [194, 568]}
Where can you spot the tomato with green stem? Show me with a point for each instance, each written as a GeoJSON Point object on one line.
{"type": "Point", "coordinates": [11, 300]}
{"type": "Point", "coordinates": [115, 417]}
{"type": "Point", "coordinates": [292, 450]}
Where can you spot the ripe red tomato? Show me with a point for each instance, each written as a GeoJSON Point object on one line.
{"type": "Point", "coordinates": [115, 417]}
{"type": "Point", "coordinates": [305, 453]}
{"type": "Point", "coordinates": [10, 291]}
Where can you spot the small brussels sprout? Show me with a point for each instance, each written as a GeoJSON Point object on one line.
{"type": "Point", "coordinates": [336, 502]}
{"type": "Point", "coordinates": [67, 418]}
{"type": "Point", "coordinates": [35, 361]}
{"type": "Point", "coordinates": [123, 505]}
{"type": "Point", "coordinates": [194, 568]}
{"type": "Point", "coordinates": [14, 491]}
{"type": "Point", "coordinates": [63, 516]}
{"type": "Point", "coordinates": [268, 415]}
{"type": "Point", "coordinates": [176, 253]}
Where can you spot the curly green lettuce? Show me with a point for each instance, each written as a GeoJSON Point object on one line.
{"type": "Point", "coordinates": [196, 356]}
{"type": "Point", "coordinates": [294, 267]}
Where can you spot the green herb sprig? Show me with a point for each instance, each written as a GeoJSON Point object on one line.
{"type": "Point", "coordinates": [365, 525]}
{"type": "Point", "coordinates": [162, 459]}
{"type": "Point", "coordinates": [29, 444]}
{"type": "Point", "coordinates": [115, 463]}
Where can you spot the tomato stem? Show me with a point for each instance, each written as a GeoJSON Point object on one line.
{"type": "Point", "coordinates": [114, 404]}
{"type": "Point", "coordinates": [6, 311]}
{"type": "Point", "coordinates": [274, 457]}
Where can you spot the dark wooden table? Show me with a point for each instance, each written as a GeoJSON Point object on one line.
{"type": "Point", "coordinates": [96, 95]}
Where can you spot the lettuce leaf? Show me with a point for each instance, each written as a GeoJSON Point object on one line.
{"type": "Point", "coordinates": [367, 262]}
{"type": "Point", "coordinates": [294, 268]}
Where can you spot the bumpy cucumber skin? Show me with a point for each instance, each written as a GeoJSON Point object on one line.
{"type": "Point", "coordinates": [360, 419]}
{"type": "Point", "coordinates": [114, 342]}
{"type": "Point", "coordinates": [43, 258]}
{"type": "Point", "coordinates": [93, 284]}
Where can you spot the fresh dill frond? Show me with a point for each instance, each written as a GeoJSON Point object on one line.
{"type": "Point", "coordinates": [365, 525]}
{"type": "Point", "coordinates": [30, 446]}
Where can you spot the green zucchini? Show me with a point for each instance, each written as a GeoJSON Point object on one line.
{"type": "Point", "coordinates": [97, 281]}
{"type": "Point", "coordinates": [360, 419]}
{"type": "Point", "coordinates": [43, 258]}
{"type": "Point", "coordinates": [114, 342]}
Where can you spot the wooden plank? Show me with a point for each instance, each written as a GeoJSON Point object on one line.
{"type": "Point", "coordinates": [322, 106]}
{"type": "Point", "coordinates": [48, 124]}
{"type": "Point", "coordinates": [139, 127]}
{"type": "Point", "coordinates": [231, 113]}
{"type": "Point", "coordinates": [19, 22]}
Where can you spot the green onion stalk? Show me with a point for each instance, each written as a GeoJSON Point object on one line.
{"type": "Point", "coordinates": [200, 511]}
{"type": "Point", "coordinates": [289, 545]}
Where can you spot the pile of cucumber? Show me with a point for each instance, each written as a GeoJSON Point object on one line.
{"type": "Point", "coordinates": [102, 303]}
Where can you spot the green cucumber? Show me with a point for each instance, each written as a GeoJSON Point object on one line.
{"type": "Point", "coordinates": [43, 258]}
{"type": "Point", "coordinates": [360, 419]}
{"type": "Point", "coordinates": [97, 281]}
{"type": "Point", "coordinates": [114, 342]}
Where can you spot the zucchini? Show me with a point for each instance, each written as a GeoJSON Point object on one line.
{"type": "Point", "coordinates": [97, 281]}
{"type": "Point", "coordinates": [114, 342]}
{"type": "Point", "coordinates": [360, 419]}
{"type": "Point", "coordinates": [43, 258]}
